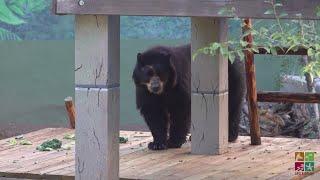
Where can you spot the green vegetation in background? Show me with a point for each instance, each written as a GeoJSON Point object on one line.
{"type": "Point", "coordinates": [147, 27]}
{"type": "Point", "coordinates": [17, 12]}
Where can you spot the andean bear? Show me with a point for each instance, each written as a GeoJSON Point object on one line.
{"type": "Point", "coordinates": [162, 76]}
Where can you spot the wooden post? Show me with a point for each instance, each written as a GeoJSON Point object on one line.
{"type": "Point", "coordinates": [251, 88]}
{"type": "Point", "coordinates": [97, 44]}
{"type": "Point", "coordinates": [70, 110]}
{"type": "Point", "coordinates": [209, 114]}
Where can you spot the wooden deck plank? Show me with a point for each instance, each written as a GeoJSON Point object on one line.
{"type": "Point", "coordinates": [62, 169]}
{"type": "Point", "coordinates": [35, 136]}
{"type": "Point", "coordinates": [16, 149]}
{"type": "Point", "coordinates": [275, 164]}
{"type": "Point", "coordinates": [274, 159]}
{"type": "Point", "coordinates": [28, 156]}
{"type": "Point", "coordinates": [63, 166]}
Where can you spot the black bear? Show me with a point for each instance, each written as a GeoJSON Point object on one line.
{"type": "Point", "coordinates": [162, 77]}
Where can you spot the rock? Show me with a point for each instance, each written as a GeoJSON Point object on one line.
{"type": "Point", "coordinates": [278, 119]}
{"type": "Point", "coordinates": [292, 83]}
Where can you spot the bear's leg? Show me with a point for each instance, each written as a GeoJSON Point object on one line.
{"type": "Point", "coordinates": [234, 117]}
{"type": "Point", "coordinates": [236, 94]}
{"type": "Point", "coordinates": [157, 121]}
{"type": "Point", "coordinates": [179, 127]}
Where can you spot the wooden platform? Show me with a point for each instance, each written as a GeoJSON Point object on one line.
{"type": "Point", "coordinates": [274, 159]}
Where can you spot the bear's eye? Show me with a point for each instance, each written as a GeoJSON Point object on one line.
{"type": "Point", "coordinates": [148, 71]}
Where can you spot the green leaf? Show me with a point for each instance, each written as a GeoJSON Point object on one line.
{"type": "Point", "coordinates": [13, 142]}
{"type": "Point", "coordinates": [231, 57]}
{"type": "Point", "coordinates": [263, 30]}
{"type": "Point", "coordinates": [50, 145]}
{"type": "Point", "coordinates": [277, 36]}
{"type": "Point", "coordinates": [195, 55]}
{"type": "Point", "coordinates": [268, 12]}
{"type": "Point", "coordinates": [317, 56]}
{"type": "Point", "coordinates": [241, 55]}
{"type": "Point", "coordinates": [214, 46]}
{"type": "Point", "coordinates": [25, 142]}
{"type": "Point", "coordinates": [7, 35]}
{"type": "Point", "coordinates": [283, 14]}
{"type": "Point", "coordinates": [278, 4]}
{"type": "Point", "coordinates": [69, 137]}
{"type": "Point", "coordinates": [310, 52]}
{"type": "Point", "coordinates": [273, 51]}
{"type": "Point", "coordinates": [268, 1]}
{"type": "Point", "coordinates": [7, 16]}
{"type": "Point", "coordinates": [255, 49]}
{"type": "Point", "coordinates": [222, 11]}
{"type": "Point", "coordinates": [291, 47]}
{"type": "Point", "coordinates": [37, 5]}
{"type": "Point", "coordinates": [224, 52]}
{"type": "Point", "coordinates": [318, 11]}
{"type": "Point", "coordinates": [123, 140]}
{"type": "Point", "coordinates": [243, 43]}
{"type": "Point", "coordinates": [17, 6]}
{"type": "Point", "coordinates": [227, 11]}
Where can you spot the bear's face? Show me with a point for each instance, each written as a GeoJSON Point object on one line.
{"type": "Point", "coordinates": [154, 72]}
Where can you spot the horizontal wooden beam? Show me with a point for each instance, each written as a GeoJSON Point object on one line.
{"type": "Point", "coordinates": [205, 8]}
{"type": "Point", "coordinates": [272, 96]}
{"type": "Point", "coordinates": [284, 51]}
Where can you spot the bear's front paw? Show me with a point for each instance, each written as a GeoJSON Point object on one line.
{"type": "Point", "coordinates": [157, 146]}
{"type": "Point", "coordinates": [172, 144]}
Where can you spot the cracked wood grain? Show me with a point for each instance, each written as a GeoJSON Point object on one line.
{"type": "Point", "coordinates": [80, 166]}
{"type": "Point", "coordinates": [97, 132]}
{"type": "Point", "coordinates": [209, 99]}
{"type": "Point", "coordinates": [78, 68]}
{"type": "Point", "coordinates": [97, 44]}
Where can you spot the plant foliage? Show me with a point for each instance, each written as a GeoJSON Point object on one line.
{"type": "Point", "coordinates": [15, 12]}
{"type": "Point", "coordinates": [293, 35]}
{"type": "Point", "coordinates": [7, 35]}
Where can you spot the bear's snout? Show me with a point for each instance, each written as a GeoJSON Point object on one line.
{"type": "Point", "coordinates": [155, 85]}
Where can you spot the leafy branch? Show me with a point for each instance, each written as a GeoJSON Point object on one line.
{"type": "Point", "coordinates": [298, 34]}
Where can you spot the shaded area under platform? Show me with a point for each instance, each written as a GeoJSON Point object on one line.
{"type": "Point", "coordinates": [273, 159]}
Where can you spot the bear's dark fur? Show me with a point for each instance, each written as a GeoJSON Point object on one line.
{"type": "Point", "coordinates": [162, 76]}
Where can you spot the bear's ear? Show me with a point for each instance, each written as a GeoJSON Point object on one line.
{"type": "Point", "coordinates": [139, 58]}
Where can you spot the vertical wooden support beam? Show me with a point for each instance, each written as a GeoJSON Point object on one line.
{"type": "Point", "coordinates": [251, 88]}
{"type": "Point", "coordinates": [209, 83]}
{"type": "Point", "coordinates": [97, 43]}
